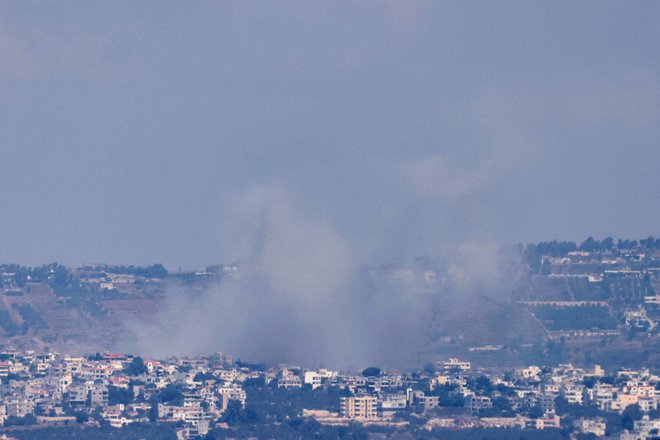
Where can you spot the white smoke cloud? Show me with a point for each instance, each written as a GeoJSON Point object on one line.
{"type": "Point", "coordinates": [282, 303]}
{"type": "Point", "coordinates": [299, 295]}
{"type": "Point", "coordinates": [300, 259]}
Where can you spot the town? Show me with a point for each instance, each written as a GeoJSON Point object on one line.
{"type": "Point", "coordinates": [569, 350]}
{"type": "Point", "coordinates": [215, 396]}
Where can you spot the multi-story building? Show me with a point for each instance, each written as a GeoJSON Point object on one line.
{"type": "Point", "coordinates": [360, 407]}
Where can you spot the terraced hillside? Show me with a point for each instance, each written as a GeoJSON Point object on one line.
{"type": "Point", "coordinates": [36, 318]}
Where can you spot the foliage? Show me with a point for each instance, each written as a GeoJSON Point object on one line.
{"type": "Point", "coordinates": [117, 395]}
{"type": "Point", "coordinates": [279, 404]}
{"type": "Point", "coordinates": [7, 324]}
{"type": "Point", "coordinates": [201, 377]}
{"type": "Point", "coordinates": [235, 414]}
{"type": "Point", "coordinates": [81, 417]}
{"type": "Point", "coordinates": [171, 395]}
{"type": "Point", "coordinates": [153, 271]}
{"type": "Point", "coordinates": [30, 316]}
{"type": "Point", "coordinates": [254, 382]}
{"type": "Point", "coordinates": [371, 372]}
{"type": "Point", "coordinates": [630, 414]}
{"type": "Point", "coordinates": [134, 431]}
{"type": "Point", "coordinates": [136, 367]}
{"type": "Point", "coordinates": [29, 419]}
{"type": "Point", "coordinates": [448, 396]}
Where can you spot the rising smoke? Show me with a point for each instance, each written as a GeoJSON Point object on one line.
{"type": "Point", "coordinates": [300, 295]}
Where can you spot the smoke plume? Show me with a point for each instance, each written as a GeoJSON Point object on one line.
{"type": "Point", "coordinates": [298, 294]}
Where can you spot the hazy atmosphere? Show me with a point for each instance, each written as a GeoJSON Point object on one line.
{"type": "Point", "coordinates": [133, 133]}
{"type": "Point", "coordinates": [329, 219]}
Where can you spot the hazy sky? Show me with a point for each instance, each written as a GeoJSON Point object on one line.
{"type": "Point", "coordinates": [128, 130]}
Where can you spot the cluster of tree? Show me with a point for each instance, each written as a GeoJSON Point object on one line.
{"type": "Point", "coordinates": [608, 244]}
{"type": "Point", "coordinates": [448, 396]}
{"type": "Point", "coordinates": [29, 419]}
{"type": "Point", "coordinates": [118, 395]}
{"type": "Point", "coordinates": [52, 274]}
{"type": "Point", "coordinates": [532, 252]}
{"type": "Point", "coordinates": [7, 324]}
{"type": "Point", "coordinates": [134, 431]}
{"type": "Point", "coordinates": [294, 428]}
{"type": "Point", "coordinates": [153, 271]}
{"type": "Point", "coordinates": [171, 395]}
{"type": "Point", "coordinates": [136, 367]}
{"type": "Point", "coordinates": [481, 384]}
{"type": "Point", "coordinates": [31, 318]}
{"type": "Point", "coordinates": [371, 372]}
{"type": "Point", "coordinates": [269, 403]}
{"type": "Point", "coordinates": [59, 278]}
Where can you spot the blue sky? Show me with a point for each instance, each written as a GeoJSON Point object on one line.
{"type": "Point", "coordinates": [131, 131]}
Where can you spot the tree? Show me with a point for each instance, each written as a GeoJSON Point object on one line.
{"type": "Point", "coordinates": [118, 395]}
{"type": "Point", "coordinates": [630, 414]}
{"type": "Point", "coordinates": [484, 384]}
{"type": "Point", "coordinates": [29, 419]}
{"type": "Point", "coordinates": [371, 372]}
{"type": "Point", "coordinates": [649, 243]}
{"type": "Point", "coordinates": [136, 367]}
{"type": "Point", "coordinates": [535, 412]}
{"type": "Point", "coordinates": [590, 245]}
{"type": "Point", "coordinates": [254, 382]}
{"type": "Point", "coordinates": [172, 395]}
{"type": "Point", "coordinates": [429, 369]}
{"type": "Point", "coordinates": [153, 411]}
{"type": "Point", "coordinates": [234, 413]}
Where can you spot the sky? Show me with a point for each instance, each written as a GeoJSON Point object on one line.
{"type": "Point", "coordinates": [130, 132]}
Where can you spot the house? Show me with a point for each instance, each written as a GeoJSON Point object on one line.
{"type": "Point", "coordinates": [573, 394]}
{"type": "Point", "coordinates": [312, 378]}
{"type": "Point", "coordinates": [393, 402]}
{"type": "Point", "coordinates": [476, 403]}
{"type": "Point", "coordinates": [596, 426]}
{"type": "Point", "coordinates": [360, 407]}
{"type": "Point", "coordinates": [114, 415]}
{"type": "Point", "coordinates": [427, 402]}
{"type": "Point", "coordinates": [288, 381]}
{"type": "Point", "coordinates": [547, 421]}
{"type": "Point", "coordinates": [644, 429]}
{"type": "Point", "coordinates": [454, 364]}
{"type": "Point", "coordinates": [530, 373]}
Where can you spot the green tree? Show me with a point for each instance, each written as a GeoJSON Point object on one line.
{"type": "Point", "coordinates": [630, 414]}
{"type": "Point", "coordinates": [117, 395]}
{"type": "Point", "coordinates": [371, 372]}
{"type": "Point", "coordinates": [233, 415]}
{"type": "Point", "coordinates": [136, 367]}
{"type": "Point", "coordinates": [171, 395]}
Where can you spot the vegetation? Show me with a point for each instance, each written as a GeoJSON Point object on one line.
{"type": "Point", "coordinates": [575, 318]}
{"type": "Point", "coordinates": [7, 324]}
{"type": "Point", "coordinates": [29, 419]}
{"type": "Point", "coordinates": [135, 431]}
{"type": "Point", "coordinates": [171, 395]}
{"type": "Point", "coordinates": [371, 372]}
{"type": "Point", "coordinates": [31, 317]}
{"type": "Point", "coordinates": [136, 367]}
{"type": "Point", "coordinates": [117, 395]}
